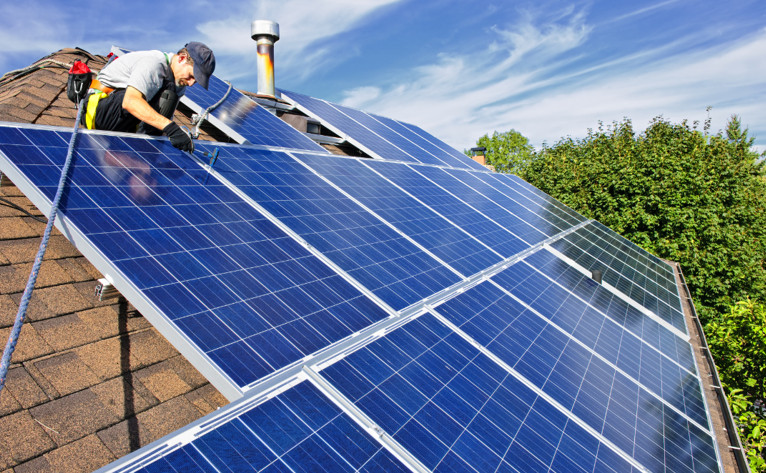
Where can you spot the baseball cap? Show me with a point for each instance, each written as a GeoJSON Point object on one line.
{"type": "Point", "coordinates": [204, 62]}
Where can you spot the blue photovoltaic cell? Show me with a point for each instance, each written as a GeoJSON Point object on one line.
{"type": "Point", "coordinates": [448, 205]}
{"type": "Point", "coordinates": [248, 119]}
{"type": "Point", "coordinates": [550, 209]}
{"type": "Point", "coordinates": [381, 259]}
{"type": "Point", "coordinates": [440, 237]}
{"type": "Point", "coordinates": [606, 302]}
{"type": "Point", "coordinates": [525, 225]}
{"type": "Point", "coordinates": [247, 295]}
{"type": "Point", "coordinates": [608, 401]}
{"type": "Point", "coordinates": [347, 127]}
{"type": "Point", "coordinates": [299, 430]}
{"type": "Point", "coordinates": [457, 155]}
{"type": "Point", "coordinates": [639, 361]}
{"type": "Point", "coordinates": [387, 139]}
{"type": "Point", "coordinates": [636, 279]}
{"type": "Point", "coordinates": [454, 409]}
{"type": "Point", "coordinates": [533, 193]}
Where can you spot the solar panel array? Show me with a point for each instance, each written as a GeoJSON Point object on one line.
{"type": "Point", "coordinates": [381, 137]}
{"type": "Point", "coordinates": [410, 313]}
{"type": "Point", "coordinates": [243, 119]}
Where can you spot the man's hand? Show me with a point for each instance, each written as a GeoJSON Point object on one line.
{"type": "Point", "coordinates": [178, 138]}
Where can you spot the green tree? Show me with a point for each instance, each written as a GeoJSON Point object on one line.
{"type": "Point", "coordinates": [507, 152]}
{"type": "Point", "coordinates": [737, 341]}
{"type": "Point", "coordinates": [678, 192]}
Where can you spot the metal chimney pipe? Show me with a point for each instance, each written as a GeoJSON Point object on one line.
{"type": "Point", "coordinates": [265, 33]}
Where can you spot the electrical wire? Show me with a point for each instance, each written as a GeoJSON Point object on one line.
{"type": "Point", "coordinates": [10, 204]}
{"type": "Point", "coordinates": [197, 121]}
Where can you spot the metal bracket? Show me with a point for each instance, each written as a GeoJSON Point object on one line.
{"type": "Point", "coordinates": [105, 290]}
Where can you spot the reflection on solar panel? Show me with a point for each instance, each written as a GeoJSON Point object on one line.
{"type": "Point", "coordinates": [644, 279]}
{"type": "Point", "coordinates": [380, 315]}
{"type": "Point", "coordinates": [385, 262]}
{"type": "Point", "coordinates": [298, 430]}
{"type": "Point", "coordinates": [243, 119]}
{"type": "Point", "coordinates": [381, 137]}
{"type": "Point", "coordinates": [454, 246]}
{"type": "Point", "coordinates": [196, 258]}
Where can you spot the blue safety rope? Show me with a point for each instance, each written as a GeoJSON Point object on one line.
{"type": "Point", "coordinates": [13, 338]}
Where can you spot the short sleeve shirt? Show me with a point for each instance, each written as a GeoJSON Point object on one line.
{"type": "Point", "coordinates": [146, 71]}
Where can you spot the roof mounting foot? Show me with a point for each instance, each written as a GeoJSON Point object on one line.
{"type": "Point", "coordinates": [105, 290]}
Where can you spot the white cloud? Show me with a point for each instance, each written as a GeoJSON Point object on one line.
{"type": "Point", "coordinates": [31, 30]}
{"type": "Point", "coordinates": [356, 98]}
{"type": "Point", "coordinates": [302, 24]}
{"type": "Point", "coordinates": [460, 98]}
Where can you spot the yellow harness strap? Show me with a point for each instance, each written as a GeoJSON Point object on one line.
{"type": "Point", "coordinates": [90, 110]}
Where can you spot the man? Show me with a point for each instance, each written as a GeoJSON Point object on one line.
{"type": "Point", "coordinates": [143, 88]}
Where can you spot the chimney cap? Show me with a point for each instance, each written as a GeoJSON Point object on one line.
{"type": "Point", "coordinates": [264, 28]}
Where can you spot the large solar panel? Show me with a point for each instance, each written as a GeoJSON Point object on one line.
{"type": "Point", "coordinates": [225, 284]}
{"type": "Point", "coordinates": [381, 315]}
{"type": "Point", "coordinates": [384, 261]}
{"type": "Point", "coordinates": [243, 119]}
{"type": "Point", "coordinates": [296, 430]}
{"type": "Point", "coordinates": [380, 137]}
{"type": "Point", "coordinates": [451, 244]}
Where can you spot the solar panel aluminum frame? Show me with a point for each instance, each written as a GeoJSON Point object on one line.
{"type": "Point", "coordinates": [623, 296]}
{"type": "Point", "coordinates": [223, 383]}
{"type": "Point", "coordinates": [228, 387]}
{"type": "Point", "coordinates": [339, 132]}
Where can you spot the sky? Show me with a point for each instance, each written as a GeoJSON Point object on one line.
{"type": "Point", "coordinates": [457, 68]}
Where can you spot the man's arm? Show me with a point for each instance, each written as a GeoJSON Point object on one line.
{"type": "Point", "coordinates": [135, 103]}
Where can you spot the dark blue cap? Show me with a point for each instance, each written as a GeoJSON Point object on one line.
{"type": "Point", "coordinates": [204, 62]}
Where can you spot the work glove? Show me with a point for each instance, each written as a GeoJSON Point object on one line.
{"type": "Point", "coordinates": [178, 138]}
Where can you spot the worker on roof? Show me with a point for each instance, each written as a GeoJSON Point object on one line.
{"type": "Point", "coordinates": [139, 91]}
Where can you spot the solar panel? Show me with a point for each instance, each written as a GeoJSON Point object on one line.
{"type": "Point", "coordinates": [656, 429]}
{"type": "Point", "coordinates": [455, 409]}
{"type": "Point", "coordinates": [228, 287]}
{"type": "Point", "coordinates": [443, 239]}
{"type": "Point", "coordinates": [243, 119]}
{"type": "Point", "coordinates": [525, 225]}
{"type": "Point", "coordinates": [660, 373]}
{"type": "Point", "coordinates": [384, 261]}
{"type": "Point", "coordinates": [381, 137]}
{"type": "Point", "coordinates": [644, 280]}
{"type": "Point", "coordinates": [296, 430]}
{"type": "Point", "coordinates": [381, 316]}
{"type": "Point", "coordinates": [481, 226]}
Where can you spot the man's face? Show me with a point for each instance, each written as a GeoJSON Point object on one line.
{"type": "Point", "coordinates": [184, 72]}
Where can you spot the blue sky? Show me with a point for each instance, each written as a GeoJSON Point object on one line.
{"type": "Point", "coordinates": [458, 68]}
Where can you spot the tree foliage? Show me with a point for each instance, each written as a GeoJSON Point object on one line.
{"type": "Point", "coordinates": [507, 152]}
{"type": "Point", "coordinates": [687, 196]}
{"type": "Point", "coordinates": [737, 341]}
{"type": "Point", "coordinates": [681, 194]}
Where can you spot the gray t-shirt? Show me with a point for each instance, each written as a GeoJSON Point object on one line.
{"type": "Point", "coordinates": [147, 71]}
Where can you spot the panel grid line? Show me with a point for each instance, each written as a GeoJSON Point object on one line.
{"type": "Point", "coordinates": [602, 358]}
{"type": "Point", "coordinates": [365, 422]}
{"type": "Point", "coordinates": [622, 296]}
{"type": "Point", "coordinates": [538, 391]}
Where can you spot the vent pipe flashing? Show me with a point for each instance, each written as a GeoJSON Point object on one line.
{"type": "Point", "coordinates": [265, 33]}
